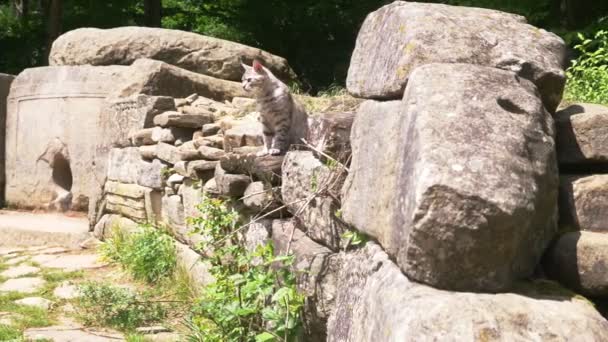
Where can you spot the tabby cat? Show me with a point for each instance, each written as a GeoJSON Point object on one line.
{"type": "Point", "coordinates": [283, 119]}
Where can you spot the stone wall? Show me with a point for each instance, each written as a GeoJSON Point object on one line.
{"type": "Point", "coordinates": [5, 84]}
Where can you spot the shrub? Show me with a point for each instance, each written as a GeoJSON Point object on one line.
{"type": "Point", "coordinates": [588, 75]}
{"type": "Point", "coordinates": [118, 307]}
{"type": "Point", "coordinates": [254, 295]}
{"type": "Point", "coordinates": [148, 255]}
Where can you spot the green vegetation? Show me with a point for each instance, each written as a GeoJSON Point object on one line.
{"type": "Point", "coordinates": [254, 297]}
{"type": "Point", "coordinates": [588, 75]}
{"type": "Point", "coordinates": [148, 255]}
{"type": "Point", "coordinates": [118, 307]}
{"type": "Point", "coordinates": [317, 37]}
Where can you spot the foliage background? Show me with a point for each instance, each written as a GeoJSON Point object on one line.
{"type": "Point", "coordinates": [316, 36]}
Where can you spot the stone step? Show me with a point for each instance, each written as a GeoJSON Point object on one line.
{"type": "Point", "coordinates": [30, 229]}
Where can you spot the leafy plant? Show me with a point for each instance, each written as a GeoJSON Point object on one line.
{"type": "Point", "coordinates": [118, 307]}
{"type": "Point", "coordinates": [354, 238]}
{"type": "Point", "coordinates": [148, 255]}
{"type": "Point", "coordinates": [588, 75]}
{"type": "Point", "coordinates": [254, 295]}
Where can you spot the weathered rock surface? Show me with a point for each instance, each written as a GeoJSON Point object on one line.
{"type": "Point", "coordinates": [306, 186]}
{"type": "Point", "coordinates": [126, 166]}
{"type": "Point", "coordinates": [51, 154]}
{"type": "Point", "coordinates": [582, 134]}
{"type": "Point", "coordinates": [229, 184]}
{"type": "Point", "coordinates": [579, 260]}
{"type": "Point", "coordinates": [177, 119]}
{"type": "Point", "coordinates": [317, 270]}
{"type": "Point", "coordinates": [245, 134]}
{"type": "Point", "coordinates": [70, 334]}
{"type": "Point", "coordinates": [381, 304]}
{"type": "Point", "coordinates": [19, 271]}
{"type": "Point", "coordinates": [37, 302]}
{"type": "Point", "coordinates": [5, 84]}
{"type": "Point", "coordinates": [330, 133]}
{"type": "Point", "coordinates": [399, 37]}
{"type": "Point", "coordinates": [123, 45]}
{"type": "Point", "coordinates": [103, 227]}
{"type": "Point", "coordinates": [170, 134]}
{"type": "Point", "coordinates": [584, 202]}
{"type": "Point", "coordinates": [142, 137]}
{"type": "Point", "coordinates": [438, 203]}
{"type": "Point", "coordinates": [23, 285]}
{"type": "Point", "coordinates": [266, 168]}
{"type": "Point", "coordinates": [158, 78]}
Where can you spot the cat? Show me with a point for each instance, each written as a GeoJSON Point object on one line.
{"type": "Point", "coordinates": [284, 121]}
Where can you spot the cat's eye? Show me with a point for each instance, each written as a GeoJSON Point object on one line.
{"type": "Point", "coordinates": [248, 79]}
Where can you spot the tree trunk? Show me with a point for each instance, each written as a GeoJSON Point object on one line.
{"type": "Point", "coordinates": [152, 13]}
{"type": "Point", "coordinates": [53, 13]}
{"type": "Point", "coordinates": [20, 8]}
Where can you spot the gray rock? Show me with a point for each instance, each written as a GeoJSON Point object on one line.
{"type": "Point", "coordinates": [19, 271]}
{"type": "Point", "coordinates": [210, 129]}
{"type": "Point", "coordinates": [170, 134]}
{"type": "Point", "coordinates": [579, 260]}
{"type": "Point", "coordinates": [211, 153]}
{"type": "Point", "coordinates": [196, 267]}
{"type": "Point", "coordinates": [126, 166]}
{"type": "Point", "coordinates": [147, 152]}
{"type": "Point", "coordinates": [584, 202]}
{"type": "Point", "coordinates": [187, 154]}
{"type": "Point", "coordinates": [66, 290]}
{"type": "Point", "coordinates": [52, 153]}
{"type": "Point", "coordinates": [306, 186]}
{"type": "Point", "coordinates": [23, 285]}
{"type": "Point", "coordinates": [230, 184]}
{"type": "Point", "coordinates": [438, 203]}
{"type": "Point", "coordinates": [317, 270]}
{"type": "Point", "coordinates": [245, 134]}
{"type": "Point", "coordinates": [192, 195]}
{"type": "Point", "coordinates": [210, 188]}
{"type": "Point", "coordinates": [198, 53]}
{"type": "Point", "coordinates": [177, 119]}
{"type": "Point", "coordinates": [108, 222]}
{"type": "Point", "coordinates": [399, 37]}
{"type": "Point", "coordinates": [71, 334]}
{"type": "Point", "coordinates": [142, 137]}
{"type": "Point", "coordinates": [582, 135]}
{"type": "Point", "coordinates": [258, 197]}
{"type": "Point", "coordinates": [152, 77]}
{"type": "Point", "coordinates": [381, 304]}
{"type": "Point", "coordinates": [258, 234]}
{"type": "Point", "coordinates": [330, 133]}
{"type": "Point", "coordinates": [37, 302]}
{"type": "Point", "coordinates": [5, 84]}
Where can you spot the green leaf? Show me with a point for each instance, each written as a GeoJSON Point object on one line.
{"type": "Point", "coordinates": [264, 337]}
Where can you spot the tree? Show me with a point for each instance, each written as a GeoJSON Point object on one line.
{"type": "Point", "coordinates": [152, 13]}
{"type": "Point", "coordinates": [53, 14]}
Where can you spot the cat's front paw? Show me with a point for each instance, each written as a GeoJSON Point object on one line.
{"type": "Point", "coordinates": [274, 151]}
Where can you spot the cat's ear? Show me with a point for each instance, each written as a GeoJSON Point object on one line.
{"type": "Point", "coordinates": [245, 66]}
{"type": "Point", "coordinates": [258, 67]}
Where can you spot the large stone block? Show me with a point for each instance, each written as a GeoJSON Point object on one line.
{"type": "Point", "coordinates": [584, 202]}
{"type": "Point", "coordinates": [458, 182]}
{"type": "Point", "coordinates": [123, 45]}
{"type": "Point", "coordinates": [125, 165]}
{"type": "Point", "coordinates": [317, 270]}
{"type": "Point", "coordinates": [307, 185]}
{"type": "Point", "coordinates": [379, 303]}
{"type": "Point", "coordinates": [579, 260]}
{"type": "Point", "coordinates": [582, 135]}
{"type": "Point", "coordinates": [5, 84]}
{"type": "Point", "coordinates": [158, 78]}
{"type": "Point", "coordinates": [54, 124]}
{"type": "Point", "coordinates": [399, 37]}
{"type": "Point", "coordinates": [330, 133]}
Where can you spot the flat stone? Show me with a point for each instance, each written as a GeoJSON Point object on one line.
{"type": "Point", "coordinates": [10, 318]}
{"type": "Point", "coordinates": [245, 134]}
{"type": "Point", "coordinates": [23, 285]}
{"type": "Point", "coordinates": [71, 334]}
{"type": "Point", "coordinates": [147, 152]}
{"type": "Point", "coordinates": [19, 271]}
{"type": "Point", "coordinates": [582, 135]}
{"type": "Point", "coordinates": [177, 119]}
{"type": "Point", "coordinates": [152, 330]}
{"type": "Point", "coordinates": [74, 262]}
{"type": "Point", "coordinates": [37, 302]}
{"type": "Point", "coordinates": [66, 290]}
{"type": "Point", "coordinates": [170, 134]}
{"type": "Point", "coordinates": [187, 154]}
{"type": "Point", "coordinates": [211, 153]}
{"type": "Point", "coordinates": [17, 260]}
{"type": "Point", "coordinates": [167, 153]}
{"type": "Point", "coordinates": [584, 202]}
{"type": "Point", "coordinates": [210, 129]}
{"type": "Point", "coordinates": [142, 137]}
{"type": "Point", "coordinates": [7, 251]}
{"type": "Point", "coordinates": [52, 250]}
{"type": "Point", "coordinates": [28, 229]}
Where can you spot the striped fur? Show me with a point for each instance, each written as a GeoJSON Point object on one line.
{"type": "Point", "coordinates": [283, 119]}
